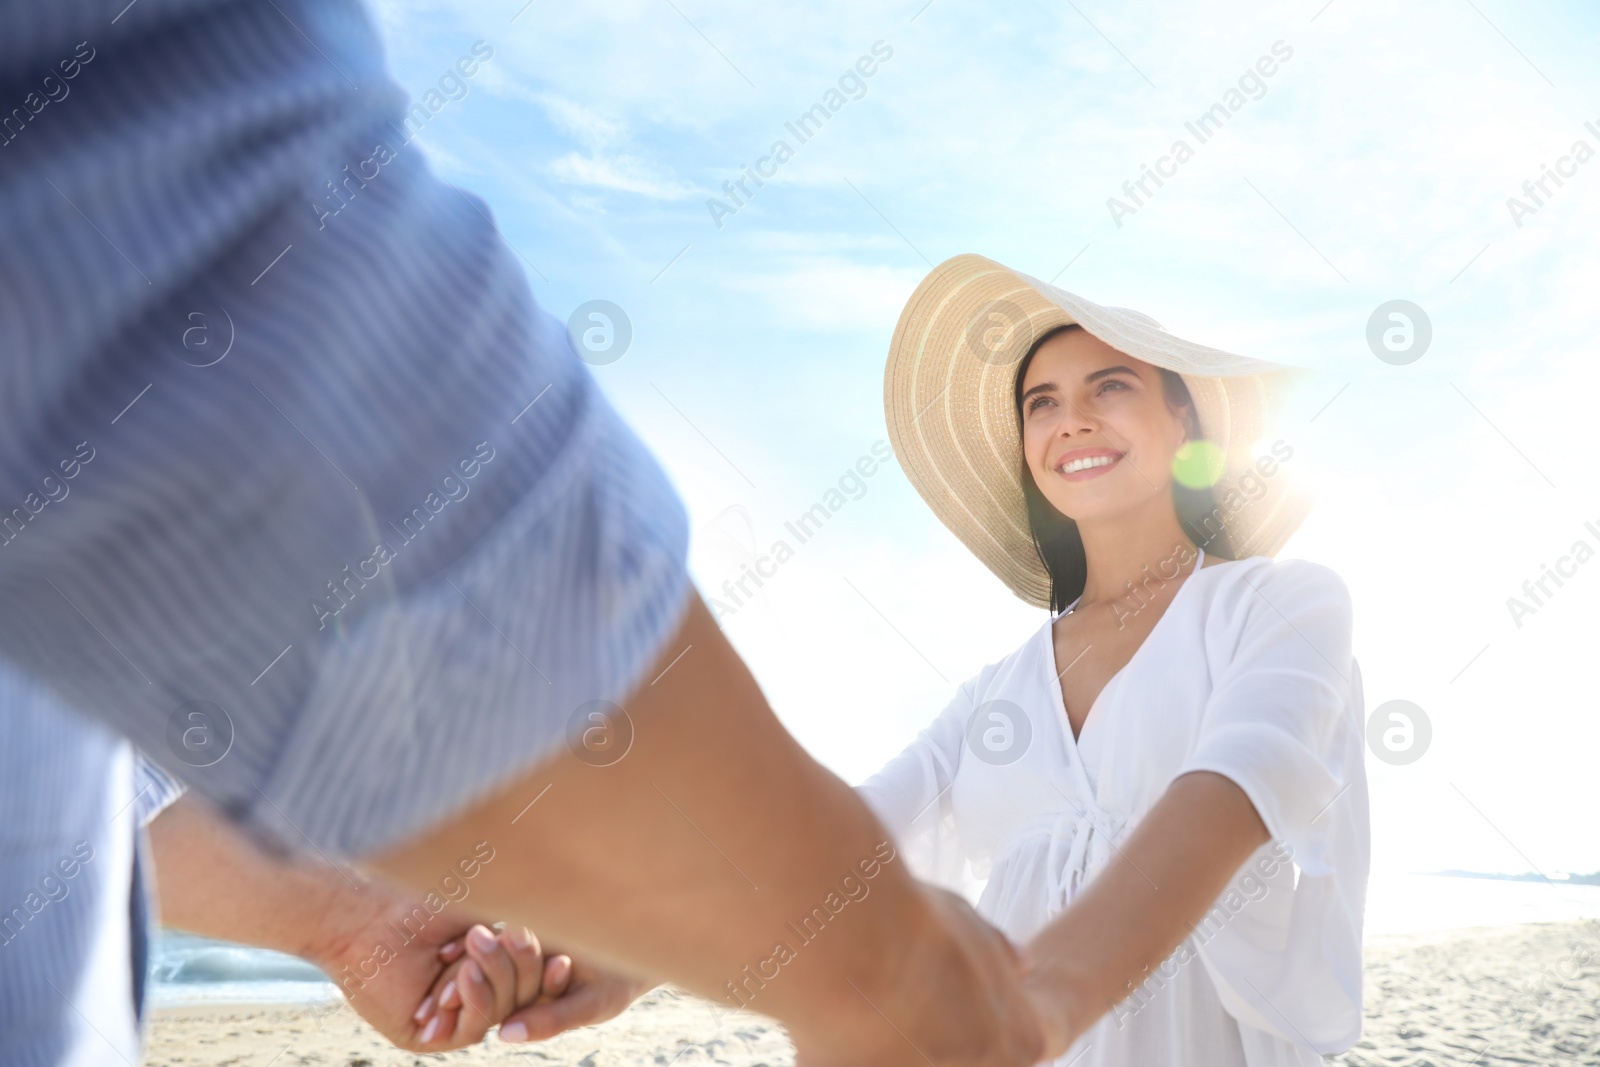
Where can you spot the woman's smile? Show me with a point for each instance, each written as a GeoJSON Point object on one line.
{"type": "Point", "coordinates": [1086, 410]}
{"type": "Point", "coordinates": [1081, 464]}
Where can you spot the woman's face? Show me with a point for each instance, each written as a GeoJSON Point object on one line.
{"type": "Point", "coordinates": [1097, 431]}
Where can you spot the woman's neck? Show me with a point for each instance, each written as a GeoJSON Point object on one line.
{"type": "Point", "coordinates": [1131, 549]}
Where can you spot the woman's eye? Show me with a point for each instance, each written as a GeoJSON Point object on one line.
{"type": "Point", "coordinates": [1110, 382]}
{"type": "Point", "coordinates": [1036, 401]}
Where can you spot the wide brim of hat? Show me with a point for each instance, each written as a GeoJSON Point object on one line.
{"type": "Point", "coordinates": [949, 403]}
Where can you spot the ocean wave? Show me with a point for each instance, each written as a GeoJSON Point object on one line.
{"type": "Point", "coordinates": [184, 959]}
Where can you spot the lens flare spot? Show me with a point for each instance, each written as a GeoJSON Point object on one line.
{"type": "Point", "coordinates": [1198, 464]}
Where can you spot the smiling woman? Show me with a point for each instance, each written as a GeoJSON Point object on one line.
{"type": "Point", "coordinates": [1059, 543]}
{"type": "Point", "coordinates": [1098, 789]}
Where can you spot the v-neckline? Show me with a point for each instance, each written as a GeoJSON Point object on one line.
{"type": "Point", "coordinates": [1055, 677]}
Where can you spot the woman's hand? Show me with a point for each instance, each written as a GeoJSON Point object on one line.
{"type": "Point", "coordinates": [533, 992]}
{"type": "Point", "coordinates": [485, 977]}
{"type": "Point", "coordinates": [423, 996]}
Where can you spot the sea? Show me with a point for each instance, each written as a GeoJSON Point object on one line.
{"type": "Point", "coordinates": [190, 970]}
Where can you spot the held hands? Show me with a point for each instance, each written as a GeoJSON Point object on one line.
{"type": "Point", "coordinates": [485, 977]}
{"type": "Point", "coordinates": [537, 993]}
{"type": "Point", "coordinates": [455, 980]}
{"type": "Point", "coordinates": [570, 993]}
{"type": "Point", "coordinates": [961, 994]}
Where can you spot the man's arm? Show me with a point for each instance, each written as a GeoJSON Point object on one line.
{"type": "Point", "coordinates": [715, 850]}
{"type": "Point", "coordinates": [214, 880]}
{"type": "Point", "coordinates": [1137, 910]}
{"type": "Point", "coordinates": [289, 536]}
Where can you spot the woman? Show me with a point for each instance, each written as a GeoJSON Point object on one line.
{"type": "Point", "coordinates": [1161, 791]}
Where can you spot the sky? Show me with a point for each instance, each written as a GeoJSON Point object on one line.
{"type": "Point", "coordinates": [1375, 163]}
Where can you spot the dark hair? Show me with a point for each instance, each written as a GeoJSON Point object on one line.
{"type": "Point", "coordinates": [1056, 537]}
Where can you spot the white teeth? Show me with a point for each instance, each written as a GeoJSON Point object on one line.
{"type": "Point", "coordinates": [1087, 464]}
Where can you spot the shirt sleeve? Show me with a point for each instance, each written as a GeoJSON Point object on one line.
{"type": "Point", "coordinates": [155, 789]}
{"type": "Point", "coordinates": [1284, 723]}
{"type": "Point", "coordinates": [911, 796]}
{"type": "Point", "coordinates": [301, 490]}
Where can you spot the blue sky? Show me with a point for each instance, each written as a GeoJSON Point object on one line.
{"type": "Point", "coordinates": [1374, 163]}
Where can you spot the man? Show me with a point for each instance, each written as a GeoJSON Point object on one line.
{"type": "Point", "coordinates": [294, 465]}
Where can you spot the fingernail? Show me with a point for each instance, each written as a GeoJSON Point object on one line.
{"type": "Point", "coordinates": [447, 996]}
{"type": "Point", "coordinates": [423, 1009]}
{"type": "Point", "coordinates": [523, 938]}
{"type": "Point", "coordinates": [473, 972]}
{"type": "Point", "coordinates": [431, 1029]}
{"type": "Point", "coordinates": [514, 1033]}
{"type": "Point", "coordinates": [482, 940]}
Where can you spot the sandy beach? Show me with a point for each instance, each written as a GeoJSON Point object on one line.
{"type": "Point", "coordinates": [1489, 996]}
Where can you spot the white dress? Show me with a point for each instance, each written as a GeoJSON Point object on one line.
{"type": "Point", "coordinates": [1249, 673]}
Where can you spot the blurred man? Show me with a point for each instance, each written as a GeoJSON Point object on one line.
{"type": "Point", "coordinates": [303, 493]}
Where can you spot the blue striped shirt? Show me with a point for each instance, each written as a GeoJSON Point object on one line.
{"type": "Point", "coordinates": [74, 915]}
{"type": "Point", "coordinates": [67, 911]}
{"type": "Point", "coordinates": [318, 507]}
{"type": "Point", "coordinates": [361, 567]}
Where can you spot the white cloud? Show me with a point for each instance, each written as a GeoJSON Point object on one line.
{"type": "Point", "coordinates": [829, 293]}
{"type": "Point", "coordinates": [623, 174]}
{"type": "Point", "coordinates": [606, 160]}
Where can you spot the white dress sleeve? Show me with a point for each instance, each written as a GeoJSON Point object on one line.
{"type": "Point", "coordinates": [1284, 723]}
{"type": "Point", "coordinates": [911, 796]}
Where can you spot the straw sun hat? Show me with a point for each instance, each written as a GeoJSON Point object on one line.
{"type": "Point", "coordinates": [948, 396]}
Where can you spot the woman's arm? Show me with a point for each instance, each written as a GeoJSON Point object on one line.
{"type": "Point", "coordinates": [1272, 755]}
{"type": "Point", "coordinates": [1148, 898]}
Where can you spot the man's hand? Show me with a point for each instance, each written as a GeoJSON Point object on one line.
{"type": "Point", "coordinates": [403, 968]}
